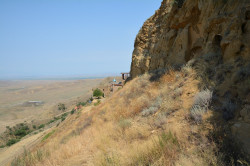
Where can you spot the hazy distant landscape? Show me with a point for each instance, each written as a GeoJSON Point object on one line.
{"type": "Point", "coordinates": [125, 83]}
{"type": "Point", "coordinates": [16, 95]}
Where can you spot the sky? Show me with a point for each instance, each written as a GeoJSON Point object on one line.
{"type": "Point", "coordinates": [46, 38]}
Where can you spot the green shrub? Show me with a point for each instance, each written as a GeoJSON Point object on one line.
{"type": "Point", "coordinates": [81, 104]}
{"type": "Point", "coordinates": [61, 107]}
{"type": "Point", "coordinates": [25, 128]}
{"type": "Point", "coordinates": [64, 115]}
{"type": "Point", "coordinates": [63, 118]}
{"type": "Point", "coordinates": [72, 111]}
{"type": "Point", "coordinates": [34, 126]}
{"type": "Point", "coordinates": [97, 93]}
{"type": "Point", "coordinates": [20, 133]}
{"type": "Point", "coordinates": [41, 126]}
{"type": "Point", "coordinates": [51, 121]}
{"type": "Point", "coordinates": [12, 141]}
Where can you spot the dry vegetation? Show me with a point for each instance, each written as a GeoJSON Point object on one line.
{"type": "Point", "coordinates": [157, 119]}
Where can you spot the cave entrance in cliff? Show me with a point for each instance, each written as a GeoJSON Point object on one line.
{"type": "Point", "coordinates": [216, 44]}
{"type": "Point", "coordinates": [217, 40]}
{"type": "Point", "coordinates": [180, 3]}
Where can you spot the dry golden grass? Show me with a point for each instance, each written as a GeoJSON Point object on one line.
{"type": "Point", "coordinates": [116, 133]}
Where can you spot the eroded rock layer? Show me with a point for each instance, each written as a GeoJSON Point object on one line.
{"type": "Point", "coordinates": [184, 29]}
{"type": "Point", "coordinates": [212, 36]}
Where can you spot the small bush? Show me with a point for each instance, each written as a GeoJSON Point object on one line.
{"type": "Point", "coordinates": [2, 146]}
{"type": "Point", "coordinates": [97, 93]}
{"type": "Point", "coordinates": [149, 111]}
{"type": "Point", "coordinates": [196, 113]}
{"type": "Point", "coordinates": [153, 108]}
{"type": "Point", "coordinates": [51, 121]}
{"type": "Point", "coordinates": [91, 99]}
{"type": "Point", "coordinates": [11, 142]}
{"type": "Point", "coordinates": [24, 128]}
{"type": "Point", "coordinates": [81, 104]}
{"type": "Point", "coordinates": [203, 99]}
{"type": "Point", "coordinates": [41, 126]}
{"type": "Point", "coordinates": [61, 107]}
{"type": "Point", "coordinates": [34, 126]}
{"type": "Point", "coordinates": [201, 103]}
{"type": "Point", "coordinates": [64, 115]}
{"type": "Point", "coordinates": [20, 133]}
{"type": "Point", "coordinates": [72, 111]}
{"type": "Point", "coordinates": [63, 118]}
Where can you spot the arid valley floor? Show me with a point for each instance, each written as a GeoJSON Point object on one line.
{"type": "Point", "coordinates": [15, 95]}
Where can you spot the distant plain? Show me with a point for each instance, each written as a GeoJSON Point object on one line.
{"type": "Point", "coordinates": [14, 96]}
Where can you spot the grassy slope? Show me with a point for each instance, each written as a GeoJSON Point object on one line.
{"type": "Point", "coordinates": [145, 123]}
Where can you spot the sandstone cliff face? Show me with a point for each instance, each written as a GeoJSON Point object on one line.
{"type": "Point", "coordinates": [212, 36]}
{"type": "Point", "coordinates": [184, 29]}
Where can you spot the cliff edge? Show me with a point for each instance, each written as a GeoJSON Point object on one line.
{"type": "Point", "coordinates": [185, 29]}
{"type": "Point", "coordinates": [212, 37]}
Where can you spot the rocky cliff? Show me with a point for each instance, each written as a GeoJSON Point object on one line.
{"type": "Point", "coordinates": [213, 37]}
{"type": "Point", "coordinates": [184, 29]}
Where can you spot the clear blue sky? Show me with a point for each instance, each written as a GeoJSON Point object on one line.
{"type": "Point", "coordinates": [69, 37]}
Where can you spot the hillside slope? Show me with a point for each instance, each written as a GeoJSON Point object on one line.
{"type": "Point", "coordinates": [211, 36]}
{"type": "Point", "coordinates": [187, 104]}
{"type": "Point", "coordinates": [156, 119]}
